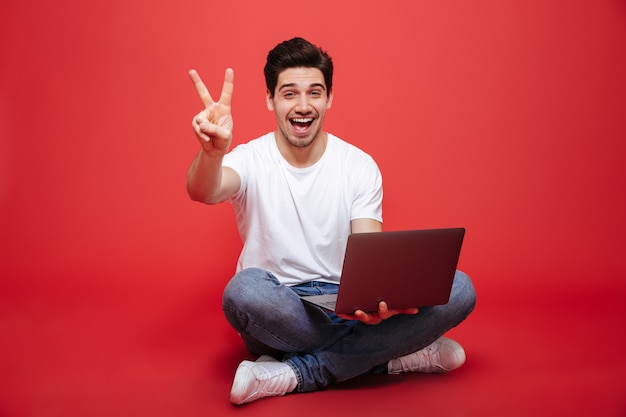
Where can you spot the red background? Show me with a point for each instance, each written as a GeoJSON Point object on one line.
{"type": "Point", "coordinates": [506, 118]}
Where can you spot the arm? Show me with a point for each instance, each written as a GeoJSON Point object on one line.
{"type": "Point", "coordinates": [207, 181]}
{"type": "Point", "coordinates": [366, 225]}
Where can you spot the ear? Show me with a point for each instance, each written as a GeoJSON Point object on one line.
{"type": "Point", "coordinates": [330, 99]}
{"type": "Point", "coordinates": [269, 100]}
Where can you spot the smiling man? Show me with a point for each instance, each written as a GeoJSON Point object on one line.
{"type": "Point", "coordinates": [298, 192]}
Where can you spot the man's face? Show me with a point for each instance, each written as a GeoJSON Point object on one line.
{"type": "Point", "coordinates": [300, 102]}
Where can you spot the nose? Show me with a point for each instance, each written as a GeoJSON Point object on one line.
{"type": "Point", "coordinates": [303, 105]}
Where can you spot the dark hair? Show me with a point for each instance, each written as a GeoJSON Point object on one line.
{"type": "Point", "coordinates": [297, 52]}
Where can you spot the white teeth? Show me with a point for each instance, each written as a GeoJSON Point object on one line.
{"type": "Point", "coordinates": [309, 120]}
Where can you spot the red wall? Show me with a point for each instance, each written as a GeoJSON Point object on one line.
{"type": "Point", "coordinates": [503, 117]}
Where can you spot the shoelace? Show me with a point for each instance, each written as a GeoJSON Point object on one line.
{"type": "Point", "coordinates": [273, 378]}
{"type": "Point", "coordinates": [422, 361]}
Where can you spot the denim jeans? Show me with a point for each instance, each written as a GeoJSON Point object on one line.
{"type": "Point", "coordinates": [320, 347]}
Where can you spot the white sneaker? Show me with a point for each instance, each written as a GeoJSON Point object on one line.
{"type": "Point", "coordinates": [266, 377]}
{"type": "Point", "coordinates": [443, 355]}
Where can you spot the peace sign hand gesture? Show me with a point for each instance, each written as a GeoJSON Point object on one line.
{"type": "Point", "coordinates": [214, 125]}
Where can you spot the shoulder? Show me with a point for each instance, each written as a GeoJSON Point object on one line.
{"type": "Point", "coordinates": [350, 154]}
{"type": "Point", "coordinates": [260, 148]}
{"type": "Point", "coordinates": [260, 144]}
{"type": "Point", "coordinates": [348, 149]}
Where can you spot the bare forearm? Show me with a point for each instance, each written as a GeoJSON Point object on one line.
{"type": "Point", "coordinates": [204, 178]}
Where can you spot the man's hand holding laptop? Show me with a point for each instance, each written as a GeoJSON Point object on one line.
{"type": "Point", "coordinates": [379, 316]}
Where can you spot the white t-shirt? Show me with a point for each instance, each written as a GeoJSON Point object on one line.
{"type": "Point", "coordinates": [295, 222]}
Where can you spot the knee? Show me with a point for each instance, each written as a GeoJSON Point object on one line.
{"type": "Point", "coordinates": [246, 286]}
{"type": "Point", "coordinates": [463, 293]}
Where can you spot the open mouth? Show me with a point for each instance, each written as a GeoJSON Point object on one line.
{"type": "Point", "coordinates": [301, 123]}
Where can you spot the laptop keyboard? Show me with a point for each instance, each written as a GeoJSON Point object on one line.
{"type": "Point", "coordinates": [329, 305]}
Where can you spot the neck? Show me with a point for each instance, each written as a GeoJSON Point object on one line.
{"type": "Point", "coordinates": [305, 156]}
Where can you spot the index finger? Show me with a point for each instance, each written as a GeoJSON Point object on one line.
{"type": "Point", "coordinates": [203, 93]}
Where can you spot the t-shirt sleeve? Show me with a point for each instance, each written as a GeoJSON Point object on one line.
{"type": "Point", "coordinates": [368, 196]}
{"type": "Point", "coordinates": [237, 160]}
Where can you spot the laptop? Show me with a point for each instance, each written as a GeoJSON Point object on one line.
{"type": "Point", "coordinates": [406, 268]}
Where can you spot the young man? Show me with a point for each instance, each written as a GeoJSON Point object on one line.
{"type": "Point", "coordinates": [298, 192]}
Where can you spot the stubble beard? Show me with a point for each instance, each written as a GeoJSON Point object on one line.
{"type": "Point", "coordinates": [300, 142]}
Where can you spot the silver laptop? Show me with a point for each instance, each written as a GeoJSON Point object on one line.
{"type": "Point", "coordinates": [408, 268]}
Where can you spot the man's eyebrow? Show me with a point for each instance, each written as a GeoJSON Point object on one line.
{"type": "Point", "coordinates": [314, 85]}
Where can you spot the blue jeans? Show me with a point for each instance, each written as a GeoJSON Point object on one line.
{"type": "Point", "coordinates": [320, 347]}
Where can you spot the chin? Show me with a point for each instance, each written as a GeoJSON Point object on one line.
{"type": "Point", "coordinates": [300, 142]}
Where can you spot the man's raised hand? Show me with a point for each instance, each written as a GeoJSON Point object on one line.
{"type": "Point", "coordinates": [214, 125]}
